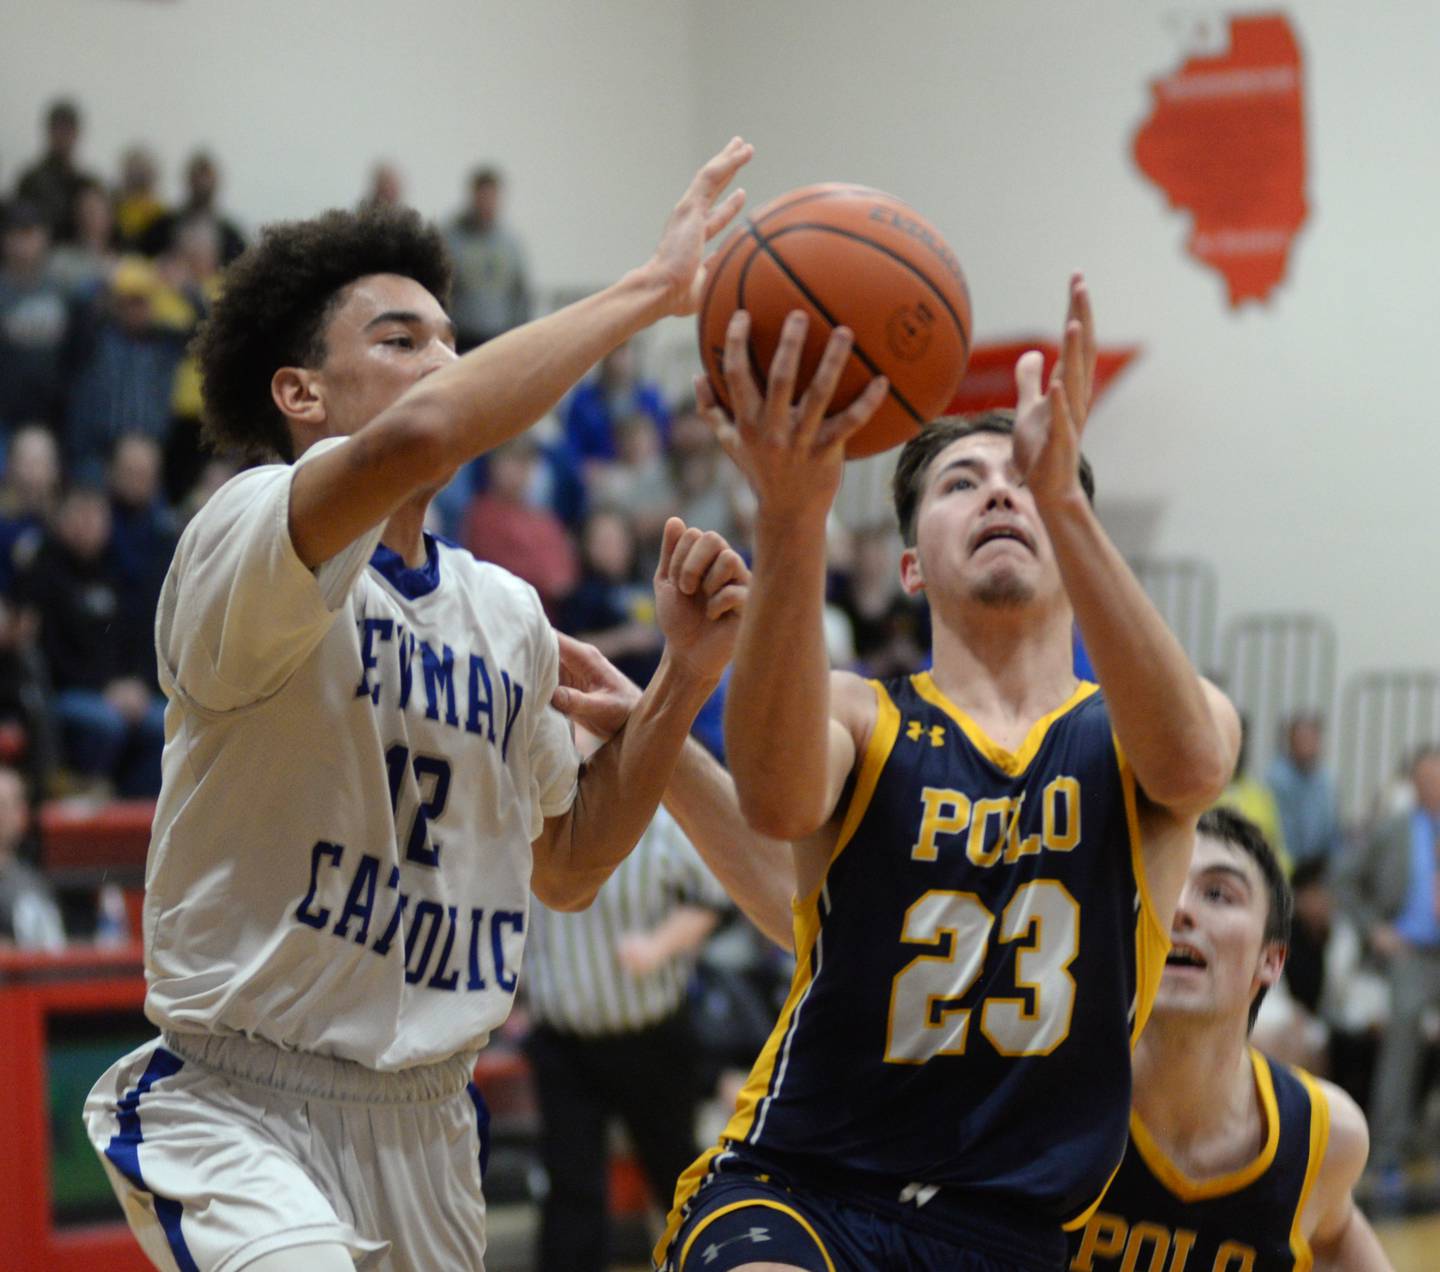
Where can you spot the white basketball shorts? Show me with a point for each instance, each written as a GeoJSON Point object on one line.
{"type": "Point", "coordinates": [223, 1149]}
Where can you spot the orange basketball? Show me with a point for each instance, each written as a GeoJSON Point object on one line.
{"type": "Point", "coordinates": [856, 258]}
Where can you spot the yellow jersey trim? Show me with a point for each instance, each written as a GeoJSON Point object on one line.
{"type": "Point", "coordinates": [685, 1189]}
{"type": "Point", "coordinates": [1187, 1189]}
{"type": "Point", "coordinates": [806, 918]}
{"type": "Point", "coordinates": [1319, 1141]}
{"type": "Point", "coordinates": [872, 764]}
{"type": "Point", "coordinates": [1013, 763]}
{"type": "Point", "coordinates": [1152, 939]}
{"type": "Point", "coordinates": [749, 1202]}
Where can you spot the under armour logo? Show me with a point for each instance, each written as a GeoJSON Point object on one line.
{"type": "Point", "coordinates": [758, 1236]}
{"type": "Point", "coordinates": [936, 732]}
{"type": "Point", "coordinates": [918, 1193]}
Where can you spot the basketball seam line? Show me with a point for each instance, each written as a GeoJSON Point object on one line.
{"type": "Point", "coordinates": [860, 353]}
{"type": "Point", "coordinates": [894, 255]}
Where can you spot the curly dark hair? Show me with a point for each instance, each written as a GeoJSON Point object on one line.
{"type": "Point", "coordinates": [913, 465]}
{"type": "Point", "coordinates": [276, 300]}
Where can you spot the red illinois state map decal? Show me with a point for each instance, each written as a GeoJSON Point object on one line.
{"type": "Point", "coordinates": [1225, 141]}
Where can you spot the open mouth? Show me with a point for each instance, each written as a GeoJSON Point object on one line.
{"type": "Point", "coordinates": [992, 534]}
{"type": "Point", "coordinates": [1185, 956]}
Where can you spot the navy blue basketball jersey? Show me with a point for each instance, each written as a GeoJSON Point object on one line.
{"type": "Point", "coordinates": [1154, 1216]}
{"type": "Point", "coordinates": [971, 972]}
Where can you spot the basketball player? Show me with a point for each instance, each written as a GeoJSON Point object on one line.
{"type": "Point", "coordinates": [988, 855]}
{"type": "Point", "coordinates": [363, 778]}
{"type": "Point", "coordinates": [1235, 1163]}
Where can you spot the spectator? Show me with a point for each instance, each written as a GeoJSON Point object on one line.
{"type": "Point", "coordinates": [111, 721]}
{"type": "Point", "coordinates": [387, 187]}
{"type": "Point", "coordinates": [28, 494]}
{"type": "Point", "coordinates": [1251, 798]}
{"type": "Point", "coordinates": [137, 205]}
{"type": "Point", "coordinates": [1304, 792]}
{"type": "Point", "coordinates": [1393, 885]}
{"type": "Point", "coordinates": [705, 481]}
{"type": "Point", "coordinates": [83, 266]}
{"type": "Point", "coordinates": [891, 629]}
{"type": "Point", "coordinates": [27, 724]}
{"type": "Point", "coordinates": [501, 525]}
{"type": "Point", "coordinates": [34, 322]}
{"type": "Point", "coordinates": [202, 203]}
{"type": "Point", "coordinates": [606, 989]}
{"type": "Point", "coordinates": [52, 183]}
{"type": "Point", "coordinates": [639, 482]}
{"type": "Point", "coordinates": [491, 291]}
{"type": "Point", "coordinates": [612, 607]}
{"type": "Point", "coordinates": [142, 542]}
{"type": "Point", "coordinates": [29, 914]}
{"type": "Point", "coordinates": [613, 392]}
{"type": "Point", "coordinates": [125, 379]}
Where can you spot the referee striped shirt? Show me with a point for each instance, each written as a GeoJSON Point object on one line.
{"type": "Point", "coordinates": [572, 976]}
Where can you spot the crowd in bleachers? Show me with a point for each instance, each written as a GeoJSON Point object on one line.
{"type": "Point", "coordinates": [103, 279]}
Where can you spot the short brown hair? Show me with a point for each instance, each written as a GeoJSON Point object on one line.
{"type": "Point", "coordinates": [920, 451]}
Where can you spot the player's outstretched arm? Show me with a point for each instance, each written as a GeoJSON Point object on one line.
{"type": "Point", "coordinates": [1340, 1236]}
{"type": "Point", "coordinates": [700, 589]}
{"type": "Point", "coordinates": [1180, 734]}
{"type": "Point", "coordinates": [501, 388]}
{"type": "Point", "coordinates": [789, 741]}
{"type": "Point", "coordinates": [757, 873]}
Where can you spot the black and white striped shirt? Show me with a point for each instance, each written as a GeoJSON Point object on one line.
{"type": "Point", "coordinates": [572, 976]}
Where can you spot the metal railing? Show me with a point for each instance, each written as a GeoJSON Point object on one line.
{"type": "Point", "coordinates": [1385, 717]}
{"type": "Point", "coordinates": [1184, 591]}
{"type": "Point", "coordinates": [1275, 666]}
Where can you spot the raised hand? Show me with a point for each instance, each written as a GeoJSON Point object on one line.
{"type": "Point", "coordinates": [791, 453]}
{"type": "Point", "coordinates": [1049, 421]}
{"type": "Point", "coordinates": [701, 585]}
{"type": "Point", "coordinates": [696, 220]}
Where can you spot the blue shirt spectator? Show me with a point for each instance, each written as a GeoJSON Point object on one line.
{"type": "Point", "coordinates": [600, 403]}
{"type": "Point", "coordinates": [1304, 792]}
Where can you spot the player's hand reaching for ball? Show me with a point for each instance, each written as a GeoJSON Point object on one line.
{"type": "Point", "coordinates": [698, 217]}
{"type": "Point", "coordinates": [790, 451]}
{"type": "Point", "coordinates": [1049, 422]}
{"type": "Point", "coordinates": [701, 585]}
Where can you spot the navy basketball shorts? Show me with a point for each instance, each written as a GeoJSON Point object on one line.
{"type": "Point", "coordinates": [740, 1218]}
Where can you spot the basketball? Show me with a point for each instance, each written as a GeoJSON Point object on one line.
{"type": "Point", "coordinates": [853, 257]}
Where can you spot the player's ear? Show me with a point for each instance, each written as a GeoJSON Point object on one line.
{"type": "Point", "coordinates": [1272, 962]}
{"type": "Point", "coordinates": [299, 395]}
{"type": "Point", "coordinates": [912, 577]}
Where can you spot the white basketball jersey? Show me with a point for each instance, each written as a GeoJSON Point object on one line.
{"type": "Point", "coordinates": [357, 760]}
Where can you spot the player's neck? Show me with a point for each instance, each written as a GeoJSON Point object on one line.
{"type": "Point", "coordinates": [997, 668]}
{"type": "Point", "coordinates": [1195, 1092]}
{"type": "Point", "coordinates": [404, 533]}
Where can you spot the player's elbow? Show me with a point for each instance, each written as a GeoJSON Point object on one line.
{"type": "Point", "coordinates": [773, 813]}
{"type": "Point", "coordinates": [567, 892]}
{"type": "Point", "coordinates": [1193, 778]}
{"type": "Point", "coordinates": [417, 436]}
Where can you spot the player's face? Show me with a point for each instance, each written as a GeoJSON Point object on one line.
{"type": "Point", "coordinates": [387, 333]}
{"type": "Point", "coordinates": [978, 535]}
{"type": "Point", "coordinates": [1219, 957]}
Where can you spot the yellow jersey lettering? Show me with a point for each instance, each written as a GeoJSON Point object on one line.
{"type": "Point", "coordinates": [1066, 791]}
{"type": "Point", "coordinates": [1104, 1236]}
{"type": "Point", "coordinates": [1234, 1257]}
{"type": "Point", "coordinates": [983, 811]}
{"type": "Point", "coordinates": [944, 812]}
{"type": "Point", "coordinates": [1015, 847]}
{"type": "Point", "coordinates": [1184, 1242]}
{"type": "Point", "coordinates": [1157, 1237]}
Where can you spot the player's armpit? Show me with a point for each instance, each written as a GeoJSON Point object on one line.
{"type": "Point", "coordinates": [1339, 1234]}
